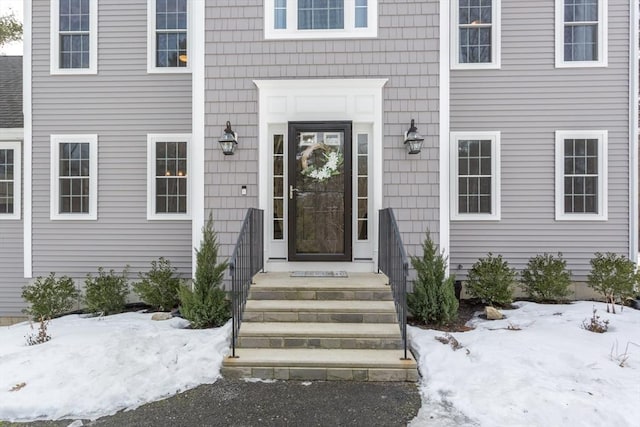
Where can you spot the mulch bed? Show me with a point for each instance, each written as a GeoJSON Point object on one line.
{"type": "Point", "coordinates": [466, 310]}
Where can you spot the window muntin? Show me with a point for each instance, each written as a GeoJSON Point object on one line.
{"type": "Point", "coordinates": [581, 175]}
{"type": "Point", "coordinates": [475, 175]}
{"type": "Point", "coordinates": [74, 33]}
{"type": "Point", "coordinates": [320, 14]}
{"type": "Point", "coordinates": [308, 19]}
{"type": "Point", "coordinates": [168, 39]}
{"type": "Point", "coordinates": [581, 33]}
{"type": "Point", "coordinates": [362, 164]}
{"type": "Point", "coordinates": [74, 164]}
{"type": "Point", "coordinates": [278, 186]}
{"type": "Point", "coordinates": [10, 174]}
{"type": "Point", "coordinates": [73, 177]}
{"type": "Point", "coordinates": [74, 36]}
{"type": "Point", "coordinates": [475, 34]}
{"type": "Point", "coordinates": [168, 189]}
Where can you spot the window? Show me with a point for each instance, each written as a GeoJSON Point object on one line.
{"type": "Point", "coordinates": [362, 195]}
{"type": "Point", "coordinates": [475, 38]}
{"type": "Point", "coordinates": [168, 189]}
{"type": "Point", "coordinates": [581, 175]}
{"type": "Point", "coordinates": [278, 186]}
{"type": "Point", "coordinates": [581, 33]}
{"type": "Point", "coordinates": [74, 177]}
{"type": "Point", "coordinates": [74, 36]}
{"type": "Point", "coordinates": [475, 175]}
{"type": "Point", "coordinates": [168, 34]}
{"type": "Point", "coordinates": [309, 19]}
{"type": "Point", "coordinates": [10, 175]}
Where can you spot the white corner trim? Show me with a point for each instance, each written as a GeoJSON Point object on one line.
{"type": "Point", "coordinates": [192, 8]}
{"type": "Point", "coordinates": [293, 33]}
{"type": "Point", "coordinates": [603, 31]}
{"type": "Point", "coordinates": [496, 200]}
{"type": "Point", "coordinates": [453, 34]}
{"type": "Point", "coordinates": [55, 40]}
{"type": "Point", "coordinates": [54, 193]}
{"type": "Point", "coordinates": [27, 142]}
{"type": "Point", "coordinates": [17, 173]}
{"type": "Point", "coordinates": [634, 57]}
{"type": "Point", "coordinates": [152, 139]}
{"type": "Point", "coordinates": [603, 160]}
{"type": "Point", "coordinates": [445, 225]}
{"type": "Point", "coordinates": [197, 159]}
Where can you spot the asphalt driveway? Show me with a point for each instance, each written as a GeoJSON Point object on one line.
{"type": "Point", "coordinates": [283, 403]}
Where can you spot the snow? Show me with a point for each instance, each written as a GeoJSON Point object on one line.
{"type": "Point", "coordinates": [537, 367]}
{"type": "Point", "coordinates": [94, 367]}
{"type": "Point", "coordinates": [550, 372]}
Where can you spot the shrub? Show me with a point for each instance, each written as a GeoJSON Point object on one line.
{"type": "Point", "coordinates": [491, 280]}
{"type": "Point", "coordinates": [42, 336]}
{"type": "Point", "coordinates": [546, 278]}
{"type": "Point", "coordinates": [614, 276]}
{"type": "Point", "coordinates": [159, 286]}
{"type": "Point", "coordinates": [106, 293]}
{"type": "Point", "coordinates": [595, 324]}
{"type": "Point", "coordinates": [50, 296]}
{"type": "Point", "coordinates": [205, 304]}
{"type": "Point", "coordinates": [433, 299]}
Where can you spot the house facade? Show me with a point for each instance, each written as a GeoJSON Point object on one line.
{"type": "Point", "coordinates": [528, 114]}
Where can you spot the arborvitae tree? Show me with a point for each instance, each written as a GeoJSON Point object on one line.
{"type": "Point", "coordinates": [205, 305]}
{"type": "Point", "coordinates": [433, 299]}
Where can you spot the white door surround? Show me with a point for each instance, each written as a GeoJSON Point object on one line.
{"type": "Point", "coordinates": [284, 101]}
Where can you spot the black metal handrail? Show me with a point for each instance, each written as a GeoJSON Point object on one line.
{"type": "Point", "coordinates": [247, 260]}
{"type": "Point", "coordinates": [393, 261]}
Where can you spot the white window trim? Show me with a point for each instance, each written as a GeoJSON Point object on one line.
{"type": "Point", "coordinates": [54, 192]}
{"type": "Point", "coordinates": [602, 136]}
{"type": "Point", "coordinates": [496, 39]}
{"type": "Point", "coordinates": [151, 41]}
{"type": "Point", "coordinates": [292, 31]}
{"type": "Point", "coordinates": [603, 30]}
{"type": "Point", "coordinates": [152, 138]}
{"type": "Point", "coordinates": [495, 176]}
{"type": "Point", "coordinates": [55, 40]}
{"type": "Point", "coordinates": [17, 175]}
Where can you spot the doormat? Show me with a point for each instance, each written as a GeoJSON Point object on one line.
{"type": "Point", "coordinates": [319, 274]}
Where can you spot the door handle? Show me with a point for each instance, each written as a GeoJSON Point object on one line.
{"type": "Point", "coordinates": [291, 191]}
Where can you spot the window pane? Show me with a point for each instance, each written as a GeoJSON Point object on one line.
{"type": "Point", "coordinates": [171, 172]}
{"type": "Point", "coordinates": [320, 14]}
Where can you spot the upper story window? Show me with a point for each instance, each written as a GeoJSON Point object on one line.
{"type": "Point", "coordinates": [581, 175]}
{"type": "Point", "coordinates": [475, 38]}
{"type": "Point", "coordinates": [317, 19]}
{"type": "Point", "coordinates": [581, 33]}
{"type": "Point", "coordinates": [168, 38]}
{"type": "Point", "coordinates": [475, 175]}
{"type": "Point", "coordinates": [10, 175]}
{"type": "Point", "coordinates": [74, 177]}
{"type": "Point", "coordinates": [74, 38]}
{"type": "Point", "coordinates": [168, 186]}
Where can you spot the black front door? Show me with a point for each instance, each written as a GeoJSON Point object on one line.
{"type": "Point", "coordinates": [319, 191]}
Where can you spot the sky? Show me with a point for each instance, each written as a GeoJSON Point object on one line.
{"type": "Point", "coordinates": [6, 7]}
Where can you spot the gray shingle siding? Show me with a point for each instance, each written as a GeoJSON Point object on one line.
{"type": "Point", "coordinates": [121, 104]}
{"type": "Point", "coordinates": [405, 52]}
{"type": "Point", "coordinates": [528, 99]}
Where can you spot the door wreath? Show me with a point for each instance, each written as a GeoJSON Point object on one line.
{"type": "Point", "coordinates": [333, 160]}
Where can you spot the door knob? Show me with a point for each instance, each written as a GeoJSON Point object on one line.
{"type": "Point", "coordinates": [291, 191]}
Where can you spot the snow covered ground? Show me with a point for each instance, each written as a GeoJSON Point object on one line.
{"type": "Point", "coordinates": [537, 367]}
{"type": "Point", "coordinates": [97, 366]}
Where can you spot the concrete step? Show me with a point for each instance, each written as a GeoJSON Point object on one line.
{"type": "Point", "coordinates": [320, 335]}
{"type": "Point", "coordinates": [321, 364]}
{"type": "Point", "coordinates": [319, 311]}
{"type": "Point", "coordinates": [358, 286]}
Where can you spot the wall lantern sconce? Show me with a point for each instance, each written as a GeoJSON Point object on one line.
{"type": "Point", "coordinates": [412, 139]}
{"type": "Point", "coordinates": [228, 141]}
